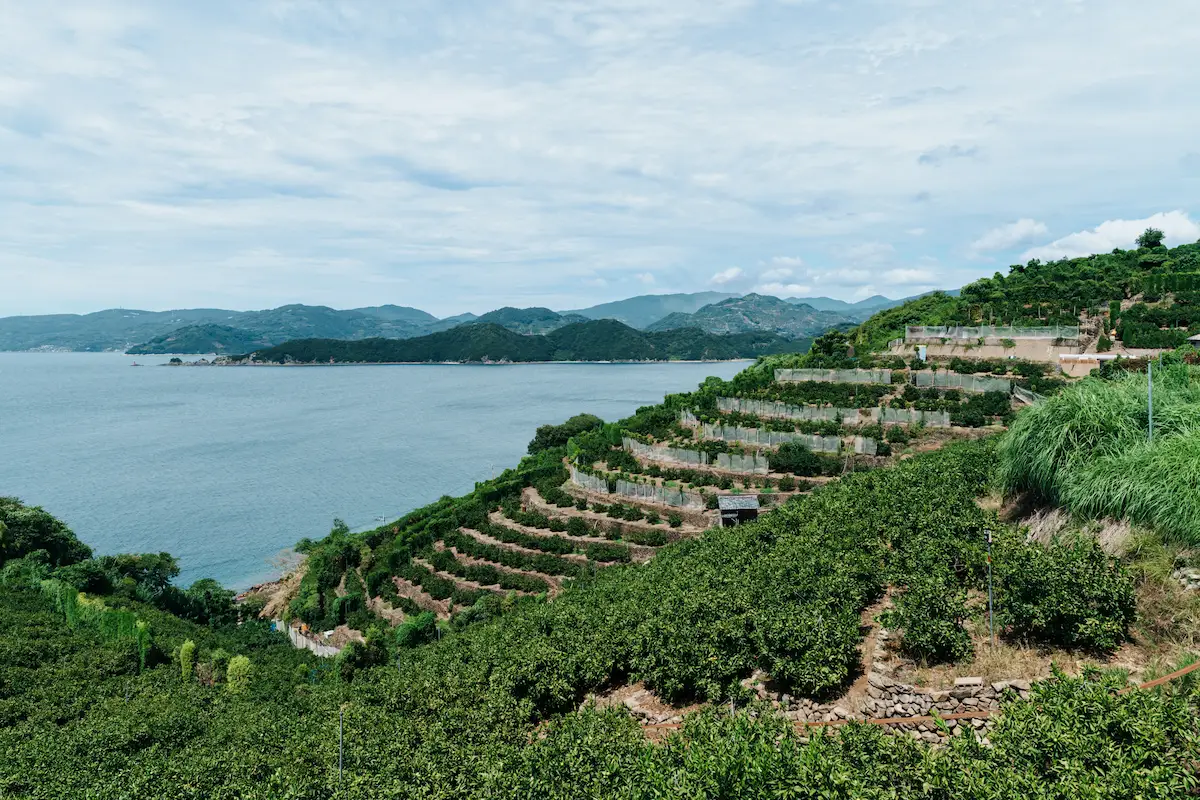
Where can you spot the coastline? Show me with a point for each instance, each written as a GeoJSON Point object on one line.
{"type": "Point", "coordinates": [217, 363]}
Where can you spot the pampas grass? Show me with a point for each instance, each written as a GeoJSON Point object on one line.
{"type": "Point", "coordinates": [1087, 450]}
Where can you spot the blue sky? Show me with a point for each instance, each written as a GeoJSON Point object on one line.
{"type": "Point", "coordinates": [462, 155]}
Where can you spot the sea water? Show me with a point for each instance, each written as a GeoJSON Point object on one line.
{"type": "Point", "coordinates": [226, 467]}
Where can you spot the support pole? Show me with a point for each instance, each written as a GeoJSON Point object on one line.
{"type": "Point", "coordinates": [341, 723]}
{"type": "Point", "coordinates": [991, 623]}
{"type": "Point", "coordinates": [1150, 395]}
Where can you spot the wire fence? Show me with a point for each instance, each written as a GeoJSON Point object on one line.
{"type": "Point", "coordinates": [990, 331]}
{"type": "Point", "coordinates": [592, 483]}
{"type": "Point", "coordinates": [968, 383]}
{"type": "Point", "coordinates": [834, 375]}
{"type": "Point", "coordinates": [750, 463]}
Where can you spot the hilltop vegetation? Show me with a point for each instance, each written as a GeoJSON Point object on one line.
{"type": "Point", "coordinates": [219, 339]}
{"type": "Point", "coordinates": [599, 340]}
{"type": "Point", "coordinates": [529, 320]}
{"type": "Point", "coordinates": [1056, 293]}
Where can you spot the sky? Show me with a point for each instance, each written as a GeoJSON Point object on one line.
{"type": "Point", "coordinates": [461, 155]}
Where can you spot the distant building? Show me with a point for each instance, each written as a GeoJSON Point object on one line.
{"type": "Point", "coordinates": [737, 508]}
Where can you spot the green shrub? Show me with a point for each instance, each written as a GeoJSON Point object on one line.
{"type": "Point", "coordinates": [607, 552]}
{"type": "Point", "coordinates": [1069, 593]}
{"type": "Point", "coordinates": [187, 660]}
{"type": "Point", "coordinates": [576, 526]}
{"type": "Point", "coordinates": [674, 520]}
{"type": "Point", "coordinates": [931, 612]}
{"type": "Point", "coordinates": [653, 518]}
{"type": "Point", "coordinates": [795, 458]}
{"type": "Point", "coordinates": [787, 484]}
{"type": "Point", "coordinates": [238, 675]}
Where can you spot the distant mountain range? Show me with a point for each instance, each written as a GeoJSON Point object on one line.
{"type": "Point", "coordinates": [591, 340]}
{"type": "Point", "coordinates": [221, 331]}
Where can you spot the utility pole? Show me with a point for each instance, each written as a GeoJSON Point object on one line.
{"type": "Point", "coordinates": [1150, 395]}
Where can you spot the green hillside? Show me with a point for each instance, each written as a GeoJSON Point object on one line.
{"type": "Point", "coordinates": [756, 313]}
{"type": "Point", "coordinates": [598, 340]}
{"type": "Point", "coordinates": [220, 339]}
{"type": "Point", "coordinates": [138, 689]}
{"type": "Point", "coordinates": [529, 320]}
{"type": "Point", "coordinates": [1161, 285]}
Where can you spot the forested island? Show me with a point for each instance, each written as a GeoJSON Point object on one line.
{"type": "Point", "coordinates": [596, 340]}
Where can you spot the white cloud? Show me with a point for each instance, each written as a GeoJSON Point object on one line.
{"type": "Point", "coordinates": [868, 252]}
{"type": "Point", "coordinates": [645, 277]}
{"type": "Point", "coordinates": [909, 276]}
{"type": "Point", "coordinates": [728, 276]}
{"type": "Point", "coordinates": [783, 289]}
{"type": "Point", "coordinates": [1009, 236]}
{"type": "Point", "coordinates": [483, 154]}
{"type": "Point", "coordinates": [1122, 233]}
{"type": "Point", "coordinates": [777, 274]}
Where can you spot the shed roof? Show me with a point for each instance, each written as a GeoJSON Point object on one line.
{"type": "Point", "coordinates": [1195, 338]}
{"type": "Point", "coordinates": [737, 502]}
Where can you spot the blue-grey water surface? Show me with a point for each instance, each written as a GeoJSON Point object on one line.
{"type": "Point", "coordinates": [226, 467]}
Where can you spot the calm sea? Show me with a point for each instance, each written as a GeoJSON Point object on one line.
{"type": "Point", "coordinates": [227, 467]}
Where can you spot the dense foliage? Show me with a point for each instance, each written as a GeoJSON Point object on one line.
{"type": "Point", "coordinates": [597, 340]}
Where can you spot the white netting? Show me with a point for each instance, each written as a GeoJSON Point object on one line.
{"type": "Point", "coordinates": [688, 419]}
{"type": "Point", "coordinates": [593, 483]}
{"type": "Point", "coordinates": [968, 383]}
{"type": "Point", "coordinates": [659, 494]}
{"type": "Point", "coordinates": [765, 438]}
{"type": "Point", "coordinates": [1027, 396]}
{"type": "Point", "coordinates": [753, 463]}
{"type": "Point", "coordinates": [865, 446]}
{"type": "Point", "coordinates": [990, 331]}
{"type": "Point", "coordinates": [834, 375]}
{"type": "Point", "coordinates": [661, 452]}
{"type": "Point", "coordinates": [911, 416]}
{"type": "Point", "coordinates": [777, 410]}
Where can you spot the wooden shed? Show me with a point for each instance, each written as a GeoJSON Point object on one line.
{"type": "Point", "coordinates": [737, 508]}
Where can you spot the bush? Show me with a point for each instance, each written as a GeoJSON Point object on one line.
{"type": "Point", "coordinates": [653, 518]}
{"type": "Point", "coordinates": [548, 436]}
{"type": "Point", "coordinates": [795, 458]}
{"type": "Point", "coordinates": [1069, 593]}
{"type": "Point", "coordinates": [576, 526]}
{"type": "Point", "coordinates": [931, 612]}
{"type": "Point", "coordinates": [238, 675]}
{"type": "Point", "coordinates": [187, 660]}
{"type": "Point", "coordinates": [608, 552]}
{"type": "Point", "coordinates": [647, 538]}
{"type": "Point", "coordinates": [674, 520]}
{"type": "Point", "coordinates": [787, 484]}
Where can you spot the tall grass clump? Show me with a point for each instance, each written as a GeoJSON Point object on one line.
{"type": "Point", "coordinates": [1087, 449]}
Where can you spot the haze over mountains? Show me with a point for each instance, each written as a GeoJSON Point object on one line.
{"type": "Point", "coordinates": [188, 331]}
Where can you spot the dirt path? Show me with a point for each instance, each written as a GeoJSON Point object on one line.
{"type": "Point", "coordinates": [684, 531]}
{"type": "Point", "coordinates": [483, 538]}
{"type": "Point", "coordinates": [856, 697]}
{"type": "Point", "coordinates": [555, 581]}
{"type": "Point", "coordinates": [639, 553]}
{"type": "Point", "coordinates": [422, 598]}
{"type": "Point", "coordinates": [463, 583]}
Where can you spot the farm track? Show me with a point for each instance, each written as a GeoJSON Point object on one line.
{"type": "Point", "coordinates": [483, 538]}
{"type": "Point", "coordinates": [465, 559]}
{"type": "Point", "coordinates": [464, 583]}
{"type": "Point", "coordinates": [422, 598]}
{"type": "Point", "coordinates": [535, 501]}
{"type": "Point", "coordinates": [638, 552]}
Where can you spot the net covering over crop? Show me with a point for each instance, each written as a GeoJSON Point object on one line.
{"type": "Point", "coordinates": [968, 383]}
{"type": "Point", "coordinates": [834, 375]}
{"type": "Point", "coordinates": [915, 332]}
